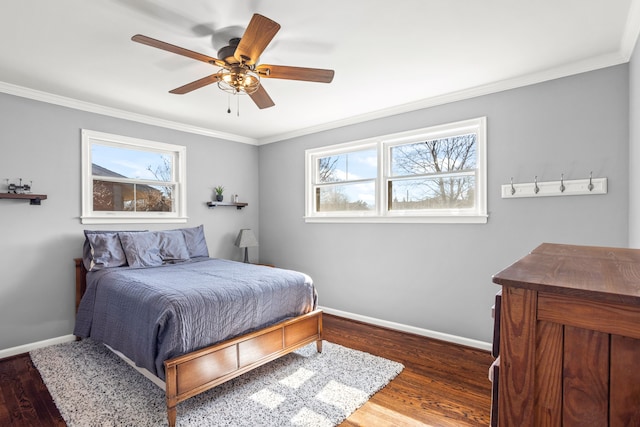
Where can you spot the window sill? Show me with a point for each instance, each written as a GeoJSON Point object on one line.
{"type": "Point", "coordinates": [121, 220]}
{"type": "Point", "coordinates": [449, 219]}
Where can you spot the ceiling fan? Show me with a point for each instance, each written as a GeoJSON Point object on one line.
{"type": "Point", "coordinates": [239, 72]}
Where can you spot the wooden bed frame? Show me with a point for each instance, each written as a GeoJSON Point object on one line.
{"type": "Point", "coordinates": [201, 370]}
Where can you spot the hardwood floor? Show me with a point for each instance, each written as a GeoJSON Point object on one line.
{"type": "Point", "coordinates": [24, 399]}
{"type": "Point", "coordinates": [442, 384]}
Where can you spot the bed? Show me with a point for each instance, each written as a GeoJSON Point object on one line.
{"type": "Point", "coordinates": [192, 321]}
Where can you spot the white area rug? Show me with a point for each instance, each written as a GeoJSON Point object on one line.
{"type": "Point", "coordinates": [93, 387]}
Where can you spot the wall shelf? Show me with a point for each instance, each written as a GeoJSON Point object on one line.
{"type": "Point", "coordinates": [34, 199]}
{"type": "Point", "coordinates": [238, 205]}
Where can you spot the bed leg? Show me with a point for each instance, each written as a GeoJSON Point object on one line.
{"type": "Point", "coordinates": [172, 414]}
{"type": "Point", "coordinates": [171, 392]}
{"type": "Point", "coordinates": [320, 333]}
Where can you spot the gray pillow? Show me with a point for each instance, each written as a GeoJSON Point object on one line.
{"type": "Point", "coordinates": [153, 248]}
{"type": "Point", "coordinates": [195, 240]}
{"type": "Point", "coordinates": [102, 249]}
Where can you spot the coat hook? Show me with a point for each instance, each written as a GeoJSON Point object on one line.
{"type": "Point", "coordinates": [536, 189]}
{"type": "Point", "coordinates": [513, 190]}
{"type": "Point", "coordinates": [562, 187]}
{"type": "Point", "coordinates": [590, 186]}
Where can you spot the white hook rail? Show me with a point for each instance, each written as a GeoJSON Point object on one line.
{"type": "Point", "coordinates": [574, 187]}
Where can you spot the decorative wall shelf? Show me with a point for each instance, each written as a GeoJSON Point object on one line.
{"type": "Point", "coordinates": [238, 205]}
{"type": "Point", "coordinates": [34, 199]}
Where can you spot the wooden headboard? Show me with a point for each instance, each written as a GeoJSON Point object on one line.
{"type": "Point", "coordinates": [81, 280]}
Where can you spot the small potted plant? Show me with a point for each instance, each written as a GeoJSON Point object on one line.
{"type": "Point", "coordinates": [219, 190]}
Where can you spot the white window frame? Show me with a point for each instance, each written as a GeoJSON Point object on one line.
{"type": "Point", "coordinates": [383, 144]}
{"type": "Point", "coordinates": [179, 154]}
{"type": "Point", "coordinates": [334, 151]}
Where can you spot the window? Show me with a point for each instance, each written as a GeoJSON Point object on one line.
{"type": "Point", "coordinates": [347, 182]}
{"type": "Point", "coordinates": [129, 180]}
{"type": "Point", "coordinates": [436, 174]}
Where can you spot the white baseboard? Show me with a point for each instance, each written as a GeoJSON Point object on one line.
{"type": "Point", "coordinates": [411, 329]}
{"type": "Point", "coordinates": [12, 351]}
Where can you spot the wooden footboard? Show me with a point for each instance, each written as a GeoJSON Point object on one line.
{"type": "Point", "coordinates": [201, 370]}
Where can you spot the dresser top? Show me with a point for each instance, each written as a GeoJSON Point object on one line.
{"type": "Point", "coordinates": [602, 273]}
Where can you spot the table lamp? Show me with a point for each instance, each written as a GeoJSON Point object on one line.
{"type": "Point", "coordinates": [245, 239]}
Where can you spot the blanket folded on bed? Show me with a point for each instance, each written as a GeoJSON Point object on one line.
{"type": "Point", "coordinates": [157, 313]}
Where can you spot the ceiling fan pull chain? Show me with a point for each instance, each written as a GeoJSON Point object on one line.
{"type": "Point", "coordinates": [238, 108]}
{"type": "Point", "coordinates": [228, 104]}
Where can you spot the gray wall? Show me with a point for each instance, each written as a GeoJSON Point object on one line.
{"type": "Point", "coordinates": [41, 142]}
{"type": "Point", "coordinates": [438, 276]}
{"type": "Point", "coordinates": [634, 149]}
{"type": "Point", "coordinates": [431, 276]}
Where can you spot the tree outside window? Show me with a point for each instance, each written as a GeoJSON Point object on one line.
{"type": "Point", "coordinates": [435, 174]}
{"type": "Point", "coordinates": [346, 182]}
{"type": "Point", "coordinates": [132, 180]}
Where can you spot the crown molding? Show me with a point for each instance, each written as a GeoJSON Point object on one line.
{"type": "Point", "coordinates": [628, 42]}
{"type": "Point", "coordinates": [632, 31]}
{"type": "Point", "coordinates": [63, 101]}
{"type": "Point", "coordinates": [591, 64]}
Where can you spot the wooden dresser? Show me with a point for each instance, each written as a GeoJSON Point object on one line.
{"type": "Point", "coordinates": [570, 338]}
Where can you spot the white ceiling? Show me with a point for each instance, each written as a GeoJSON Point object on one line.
{"type": "Point", "coordinates": [388, 56]}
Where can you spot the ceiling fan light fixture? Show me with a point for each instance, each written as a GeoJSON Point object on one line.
{"type": "Point", "coordinates": [239, 71]}
{"type": "Point", "coordinates": [238, 80]}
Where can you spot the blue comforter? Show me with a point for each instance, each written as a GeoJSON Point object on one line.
{"type": "Point", "coordinates": [154, 314]}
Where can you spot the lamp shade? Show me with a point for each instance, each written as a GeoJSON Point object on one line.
{"type": "Point", "coordinates": [246, 238]}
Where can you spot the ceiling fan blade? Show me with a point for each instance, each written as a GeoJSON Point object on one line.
{"type": "Point", "coordinates": [295, 73]}
{"type": "Point", "coordinates": [255, 39]}
{"type": "Point", "coordinates": [262, 98]}
{"type": "Point", "coordinates": [177, 49]}
{"type": "Point", "coordinates": [195, 85]}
